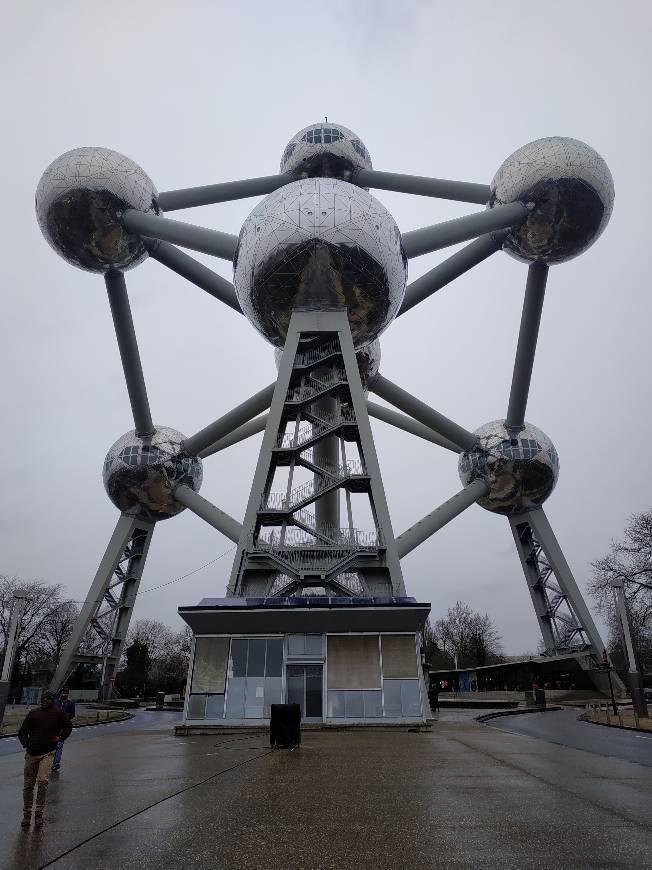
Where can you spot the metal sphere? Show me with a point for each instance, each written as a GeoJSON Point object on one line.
{"type": "Point", "coordinates": [140, 472]}
{"type": "Point", "coordinates": [368, 359]}
{"type": "Point", "coordinates": [320, 244]}
{"type": "Point", "coordinates": [326, 151]}
{"type": "Point", "coordinates": [79, 200]}
{"type": "Point", "coordinates": [571, 191]}
{"type": "Point", "coordinates": [521, 470]}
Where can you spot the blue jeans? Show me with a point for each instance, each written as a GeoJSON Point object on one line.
{"type": "Point", "coordinates": [58, 752]}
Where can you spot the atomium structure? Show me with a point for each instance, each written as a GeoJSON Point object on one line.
{"type": "Point", "coordinates": [320, 271]}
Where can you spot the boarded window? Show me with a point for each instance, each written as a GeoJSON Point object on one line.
{"type": "Point", "coordinates": [399, 656]}
{"type": "Point", "coordinates": [353, 662]}
{"type": "Point", "coordinates": [209, 671]}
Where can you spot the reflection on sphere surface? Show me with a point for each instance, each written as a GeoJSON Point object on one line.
{"type": "Point", "coordinates": [521, 470]}
{"type": "Point", "coordinates": [320, 244]}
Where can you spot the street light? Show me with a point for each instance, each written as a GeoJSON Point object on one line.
{"type": "Point", "coordinates": [634, 675]}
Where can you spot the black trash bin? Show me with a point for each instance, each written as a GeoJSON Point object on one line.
{"type": "Point", "coordinates": [160, 700]}
{"type": "Point", "coordinates": [285, 725]}
{"type": "Point", "coordinates": [540, 698]}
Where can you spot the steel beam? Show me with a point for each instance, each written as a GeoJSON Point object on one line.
{"type": "Point", "coordinates": [245, 431]}
{"type": "Point", "coordinates": [437, 236]}
{"type": "Point", "coordinates": [527, 344]}
{"type": "Point", "coordinates": [179, 233]}
{"type": "Point", "coordinates": [461, 191]}
{"type": "Point", "coordinates": [407, 403]}
{"type": "Point", "coordinates": [18, 607]}
{"type": "Point", "coordinates": [189, 197]}
{"type": "Point", "coordinates": [456, 265]}
{"type": "Point", "coordinates": [196, 273]}
{"type": "Point", "coordinates": [433, 522]}
{"type": "Point", "coordinates": [128, 346]}
{"type": "Point", "coordinates": [230, 421]}
{"type": "Point", "coordinates": [407, 424]}
{"type": "Point", "coordinates": [196, 503]}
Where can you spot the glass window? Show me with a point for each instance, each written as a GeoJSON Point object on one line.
{"type": "Point", "coordinates": [197, 707]}
{"type": "Point", "coordinates": [410, 701]}
{"type": "Point", "coordinates": [296, 644]}
{"type": "Point", "coordinates": [314, 645]}
{"type": "Point", "coordinates": [399, 655]}
{"type": "Point", "coordinates": [336, 704]}
{"type": "Point", "coordinates": [373, 704]}
{"type": "Point", "coordinates": [239, 656]}
{"type": "Point", "coordinates": [256, 660]}
{"type": "Point", "coordinates": [392, 689]}
{"type": "Point", "coordinates": [354, 705]}
{"type": "Point", "coordinates": [235, 698]}
{"type": "Point", "coordinates": [273, 694]}
{"type": "Point", "coordinates": [353, 661]}
{"type": "Point", "coordinates": [254, 697]}
{"type": "Point", "coordinates": [295, 684]}
{"type": "Point", "coordinates": [209, 669]}
{"type": "Point", "coordinates": [274, 663]}
{"type": "Point", "coordinates": [313, 691]}
{"type": "Point", "coordinates": [215, 707]}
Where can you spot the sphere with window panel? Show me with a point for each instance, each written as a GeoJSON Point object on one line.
{"type": "Point", "coordinates": [79, 202]}
{"type": "Point", "coordinates": [140, 473]}
{"type": "Point", "coordinates": [325, 150]}
{"type": "Point", "coordinates": [520, 468]}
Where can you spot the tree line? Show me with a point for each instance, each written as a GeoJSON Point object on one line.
{"type": "Point", "coordinates": [156, 657]}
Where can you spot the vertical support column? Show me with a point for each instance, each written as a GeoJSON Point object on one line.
{"type": "Point", "coordinates": [635, 682]}
{"type": "Point", "coordinates": [526, 549]}
{"type": "Point", "coordinates": [17, 611]}
{"type": "Point", "coordinates": [327, 508]}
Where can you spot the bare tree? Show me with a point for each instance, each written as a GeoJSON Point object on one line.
{"type": "Point", "coordinates": [630, 561]}
{"type": "Point", "coordinates": [41, 605]}
{"type": "Point", "coordinates": [469, 637]}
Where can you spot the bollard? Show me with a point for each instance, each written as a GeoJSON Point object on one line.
{"type": "Point", "coordinates": [635, 716]}
{"type": "Point", "coordinates": [620, 719]}
{"type": "Point", "coordinates": [97, 715]}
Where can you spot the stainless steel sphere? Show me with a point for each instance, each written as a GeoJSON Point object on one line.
{"type": "Point", "coordinates": [320, 244]}
{"type": "Point", "coordinates": [572, 193]}
{"type": "Point", "coordinates": [325, 150]}
{"type": "Point", "coordinates": [368, 362]}
{"type": "Point", "coordinates": [79, 200]}
{"type": "Point", "coordinates": [521, 470]}
{"type": "Point", "coordinates": [139, 473]}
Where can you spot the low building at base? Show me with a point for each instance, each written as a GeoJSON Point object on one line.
{"type": "Point", "coordinates": [344, 660]}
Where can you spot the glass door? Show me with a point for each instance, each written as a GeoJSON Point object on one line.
{"type": "Point", "coordinates": [305, 687]}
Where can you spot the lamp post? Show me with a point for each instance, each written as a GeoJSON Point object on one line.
{"type": "Point", "coordinates": [634, 675]}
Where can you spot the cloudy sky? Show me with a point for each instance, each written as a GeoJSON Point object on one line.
{"type": "Point", "coordinates": [208, 91]}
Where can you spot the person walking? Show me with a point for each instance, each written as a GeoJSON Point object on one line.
{"type": "Point", "coordinates": [41, 731]}
{"type": "Point", "coordinates": [65, 703]}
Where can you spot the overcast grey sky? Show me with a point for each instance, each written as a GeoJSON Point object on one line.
{"type": "Point", "coordinates": [210, 91]}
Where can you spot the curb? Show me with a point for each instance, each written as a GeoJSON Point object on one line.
{"type": "Point", "coordinates": [487, 716]}
{"type": "Point", "coordinates": [582, 718]}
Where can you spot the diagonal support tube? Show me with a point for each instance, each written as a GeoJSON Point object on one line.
{"type": "Point", "coordinates": [452, 268]}
{"type": "Point", "coordinates": [128, 346]}
{"type": "Point", "coordinates": [421, 531]}
{"type": "Point", "coordinates": [407, 424]}
{"type": "Point", "coordinates": [225, 524]}
{"type": "Point", "coordinates": [230, 421]}
{"type": "Point", "coordinates": [414, 407]}
{"type": "Point", "coordinates": [245, 431]}
{"type": "Point", "coordinates": [209, 194]}
{"type": "Point", "coordinates": [179, 233]}
{"type": "Point", "coordinates": [437, 236]}
{"type": "Point", "coordinates": [196, 273]}
{"type": "Point", "coordinates": [535, 289]}
{"type": "Point", "coordinates": [462, 191]}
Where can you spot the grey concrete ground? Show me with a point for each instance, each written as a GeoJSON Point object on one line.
{"type": "Point", "coordinates": [463, 795]}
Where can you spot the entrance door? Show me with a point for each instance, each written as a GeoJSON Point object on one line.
{"type": "Point", "coordinates": [304, 687]}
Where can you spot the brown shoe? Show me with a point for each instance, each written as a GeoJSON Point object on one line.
{"type": "Point", "coordinates": [27, 820]}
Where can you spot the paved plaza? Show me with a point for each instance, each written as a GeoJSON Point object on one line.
{"type": "Point", "coordinates": [131, 795]}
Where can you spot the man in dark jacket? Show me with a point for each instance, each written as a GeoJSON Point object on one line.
{"type": "Point", "coordinates": [40, 732]}
{"type": "Point", "coordinates": [65, 703]}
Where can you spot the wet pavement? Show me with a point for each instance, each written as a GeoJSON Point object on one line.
{"type": "Point", "coordinates": [462, 795]}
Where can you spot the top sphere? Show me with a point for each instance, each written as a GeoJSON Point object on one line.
{"type": "Point", "coordinates": [520, 469]}
{"type": "Point", "coordinates": [79, 201]}
{"type": "Point", "coordinates": [320, 244]}
{"type": "Point", "coordinates": [325, 151]}
{"type": "Point", "coordinates": [571, 192]}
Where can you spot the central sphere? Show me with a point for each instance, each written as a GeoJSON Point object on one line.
{"type": "Point", "coordinates": [79, 202]}
{"type": "Point", "coordinates": [368, 359]}
{"type": "Point", "coordinates": [326, 151]}
{"type": "Point", "coordinates": [320, 244]}
{"type": "Point", "coordinates": [521, 470]}
{"type": "Point", "coordinates": [569, 191]}
{"type": "Point", "coordinates": [140, 473]}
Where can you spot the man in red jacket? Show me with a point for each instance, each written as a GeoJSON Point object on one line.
{"type": "Point", "coordinates": [40, 732]}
